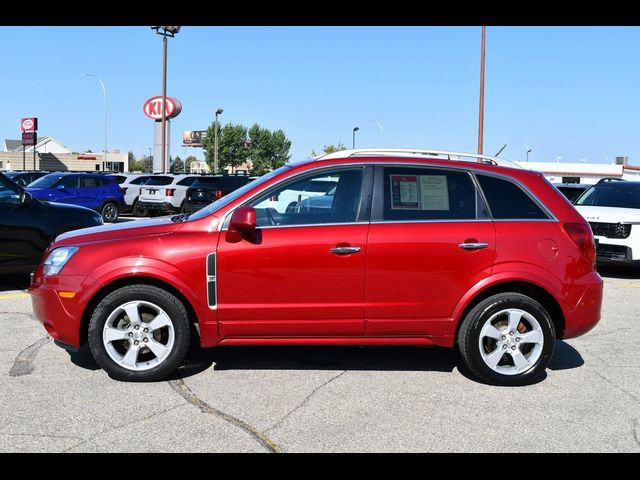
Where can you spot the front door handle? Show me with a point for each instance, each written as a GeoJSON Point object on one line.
{"type": "Point", "coordinates": [345, 250]}
{"type": "Point", "coordinates": [473, 245]}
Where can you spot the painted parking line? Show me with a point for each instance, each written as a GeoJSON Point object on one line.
{"type": "Point", "coordinates": [4, 296]}
{"type": "Point", "coordinates": [631, 285]}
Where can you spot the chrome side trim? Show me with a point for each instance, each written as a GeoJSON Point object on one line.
{"type": "Point", "coordinates": [211, 267]}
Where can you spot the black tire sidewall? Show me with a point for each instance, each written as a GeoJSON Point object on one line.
{"type": "Point", "coordinates": [470, 332]}
{"type": "Point", "coordinates": [104, 208]}
{"type": "Point", "coordinates": [163, 299]}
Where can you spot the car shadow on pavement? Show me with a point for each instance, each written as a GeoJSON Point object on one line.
{"type": "Point", "coordinates": [14, 282]}
{"type": "Point", "coordinates": [565, 357]}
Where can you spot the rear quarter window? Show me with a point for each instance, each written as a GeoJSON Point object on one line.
{"type": "Point", "coordinates": [507, 201]}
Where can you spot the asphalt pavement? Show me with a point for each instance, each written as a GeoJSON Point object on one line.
{"type": "Point", "coordinates": [322, 399]}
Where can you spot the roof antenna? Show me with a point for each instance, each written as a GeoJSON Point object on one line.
{"type": "Point", "coordinates": [500, 151]}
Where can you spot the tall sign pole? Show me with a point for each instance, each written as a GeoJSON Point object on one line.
{"type": "Point", "coordinates": [481, 112]}
{"type": "Point", "coordinates": [29, 127]}
{"type": "Point", "coordinates": [164, 104]}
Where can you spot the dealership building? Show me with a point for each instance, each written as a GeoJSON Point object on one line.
{"type": "Point", "coordinates": [52, 155]}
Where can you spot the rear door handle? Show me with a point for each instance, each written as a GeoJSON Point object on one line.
{"type": "Point", "coordinates": [473, 245]}
{"type": "Point", "coordinates": [345, 250]}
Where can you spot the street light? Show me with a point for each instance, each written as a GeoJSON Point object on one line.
{"type": "Point", "coordinates": [215, 141]}
{"type": "Point", "coordinates": [355, 129]}
{"type": "Point", "coordinates": [104, 91]}
{"type": "Point", "coordinates": [166, 32]}
{"type": "Point", "coordinates": [481, 108]}
{"type": "Point", "coordinates": [528, 151]}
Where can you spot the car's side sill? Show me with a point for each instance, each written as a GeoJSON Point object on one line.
{"type": "Point", "coordinates": [435, 341]}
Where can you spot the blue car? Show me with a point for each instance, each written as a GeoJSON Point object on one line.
{"type": "Point", "coordinates": [94, 191]}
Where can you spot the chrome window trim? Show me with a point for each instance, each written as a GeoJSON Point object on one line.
{"type": "Point", "coordinates": [224, 221]}
{"type": "Point", "coordinates": [382, 222]}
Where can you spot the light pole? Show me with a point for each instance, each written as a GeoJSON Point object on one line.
{"type": "Point", "coordinates": [215, 141]}
{"type": "Point", "coordinates": [481, 112]}
{"type": "Point", "coordinates": [355, 129]}
{"type": "Point", "coordinates": [528, 151]}
{"type": "Point", "coordinates": [104, 91]}
{"type": "Point", "coordinates": [166, 32]}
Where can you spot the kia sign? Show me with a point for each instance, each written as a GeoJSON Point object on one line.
{"type": "Point", "coordinates": [152, 108]}
{"type": "Point", "coordinates": [30, 124]}
{"type": "Point", "coordinates": [193, 138]}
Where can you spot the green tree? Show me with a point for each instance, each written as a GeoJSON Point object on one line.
{"type": "Point", "coordinates": [133, 164]}
{"type": "Point", "coordinates": [326, 149]}
{"type": "Point", "coordinates": [268, 150]}
{"type": "Point", "coordinates": [177, 166]}
{"type": "Point", "coordinates": [188, 161]}
{"type": "Point", "coordinates": [231, 148]}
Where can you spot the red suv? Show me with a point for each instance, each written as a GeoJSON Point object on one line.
{"type": "Point", "coordinates": [413, 248]}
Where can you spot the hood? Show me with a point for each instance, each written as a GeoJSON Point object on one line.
{"type": "Point", "coordinates": [609, 214]}
{"type": "Point", "coordinates": [118, 231]}
{"type": "Point", "coordinates": [54, 208]}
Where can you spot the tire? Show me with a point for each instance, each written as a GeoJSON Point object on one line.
{"type": "Point", "coordinates": [112, 334]}
{"type": "Point", "coordinates": [109, 212]}
{"type": "Point", "coordinates": [138, 210]}
{"type": "Point", "coordinates": [511, 323]}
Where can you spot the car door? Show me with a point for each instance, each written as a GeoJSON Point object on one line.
{"type": "Point", "coordinates": [430, 240]}
{"type": "Point", "coordinates": [302, 273]}
{"type": "Point", "coordinates": [67, 190]}
{"type": "Point", "coordinates": [21, 238]}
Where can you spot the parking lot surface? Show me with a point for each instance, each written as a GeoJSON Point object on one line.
{"type": "Point", "coordinates": [322, 399]}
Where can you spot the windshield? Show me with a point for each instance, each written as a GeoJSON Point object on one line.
{"type": "Point", "coordinates": [47, 181]}
{"type": "Point", "coordinates": [614, 194]}
{"type": "Point", "coordinates": [209, 209]}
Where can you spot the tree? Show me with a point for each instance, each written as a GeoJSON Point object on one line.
{"type": "Point", "coordinates": [268, 150]}
{"type": "Point", "coordinates": [177, 166]}
{"type": "Point", "coordinates": [231, 149]}
{"type": "Point", "coordinates": [326, 149]}
{"type": "Point", "coordinates": [188, 161]}
{"type": "Point", "coordinates": [133, 164]}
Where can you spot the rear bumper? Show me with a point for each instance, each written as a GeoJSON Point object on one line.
{"type": "Point", "coordinates": [587, 312]}
{"type": "Point", "coordinates": [158, 206]}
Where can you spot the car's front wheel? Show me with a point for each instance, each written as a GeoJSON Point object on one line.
{"type": "Point", "coordinates": [507, 339]}
{"type": "Point", "coordinates": [139, 333]}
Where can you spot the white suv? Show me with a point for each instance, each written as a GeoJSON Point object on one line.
{"type": "Point", "coordinates": [288, 199]}
{"type": "Point", "coordinates": [165, 193]}
{"type": "Point", "coordinates": [612, 208]}
{"type": "Point", "coordinates": [131, 187]}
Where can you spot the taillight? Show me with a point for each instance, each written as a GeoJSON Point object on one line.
{"type": "Point", "coordinates": [188, 193]}
{"type": "Point", "coordinates": [582, 236]}
{"type": "Point", "coordinates": [218, 194]}
{"type": "Point", "coordinates": [123, 190]}
{"type": "Point", "coordinates": [169, 192]}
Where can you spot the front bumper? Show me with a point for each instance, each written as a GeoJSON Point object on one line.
{"type": "Point", "coordinates": [61, 317]}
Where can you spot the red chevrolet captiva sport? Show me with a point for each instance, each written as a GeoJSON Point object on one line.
{"type": "Point", "coordinates": [407, 247]}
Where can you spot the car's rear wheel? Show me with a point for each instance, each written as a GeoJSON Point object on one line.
{"type": "Point", "coordinates": [139, 333]}
{"type": "Point", "coordinates": [138, 210]}
{"type": "Point", "coordinates": [110, 212]}
{"type": "Point", "coordinates": [507, 339]}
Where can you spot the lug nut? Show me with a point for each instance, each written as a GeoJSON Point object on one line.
{"type": "Point", "coordinates": [136, 342]}
{"type": "Point", "coordinates": [503, 337]}
{"type": "Point", "coordinates": [513, 347]}
{"type": "Point", "coordinates": [517, 339]}
{"type": "Point", "coordinates": [131, 334]}
{"type": "Point", "coordinates": [510, 333]}
{"type": "Point", "coordinates": [137, 327]}
{"type": "Point", "coordinates": [504, 346]}
{"type": "Point", "coordinates": [145, 339]}
{"type": "Point", "coordinates": [146, 330]}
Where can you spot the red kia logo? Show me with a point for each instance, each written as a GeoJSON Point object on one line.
{"type": "Point", "coordinates": [28, 124]}
{"type": "Point", "coordinates": [152, 108]}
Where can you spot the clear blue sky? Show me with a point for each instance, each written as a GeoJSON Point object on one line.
{"type": "Point", "coordinates": [572, 92]}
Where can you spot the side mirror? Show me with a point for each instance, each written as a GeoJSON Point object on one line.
{"type": "Point", "coordinates": [25, 197]}
{"type": "Point", "coordinates": [243, 220]}
{"type": "Point", "coordinates": [60, 186]}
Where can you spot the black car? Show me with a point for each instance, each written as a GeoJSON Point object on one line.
{"type": "Point", "coordinates": [572, 190]}
{"type": "Point", "coordinates": [208, 189]}
{"type": "Point", "coordinates": [28, 226]}
{"type": "Point", "coordinates": [25, 178]}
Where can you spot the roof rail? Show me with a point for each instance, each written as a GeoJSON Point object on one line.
{"type": "Point", "coordinates": [421, 152]}
{"type": "Point", "coordinates": [610, 179]}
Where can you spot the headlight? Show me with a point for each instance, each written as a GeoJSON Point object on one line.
{"type": "Point", "coordinates": [58, 259]}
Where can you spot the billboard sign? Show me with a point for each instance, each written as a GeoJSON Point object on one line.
{"type": "Point", "coordinates": [29, 138]}
{"type": "Point", "coordinates": [152, 108]}
{"type": "Point", "coordinates": [193, 138]}
{"type": "Point", "coordinates": [28, 124]}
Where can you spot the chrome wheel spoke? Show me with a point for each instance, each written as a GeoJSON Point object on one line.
{"type": "Point", "coordinates": [519, 360]}
{"type": "Point", "coordinates": [158, 349]}
{"type": "Point", "coordinates": [112, 334]}
{"type": "Point", "coordinates": [494, 357]}
{"type": "Point", "coordinates": [514, 319]}
{"type": "Point", "coordinates": [130, 358]}
{"type": "Point", "coordinates": [161, 320]}
{"type": "Point", "coordinates": [534, 336]}
{"type": "Point", "coordinates": [490, 331]}
{"type": "Point", "coordinates": [132, 312]}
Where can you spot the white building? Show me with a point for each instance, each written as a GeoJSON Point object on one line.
{"type": "Point", "coordinates": [586, 173]}
{"type": "Point", "coordinates": [44, 145]}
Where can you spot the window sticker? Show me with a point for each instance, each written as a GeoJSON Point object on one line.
{"type": "Point", "coordinates": [434, 192]}
{"type": "Point", "coordinates": [404, 192]}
